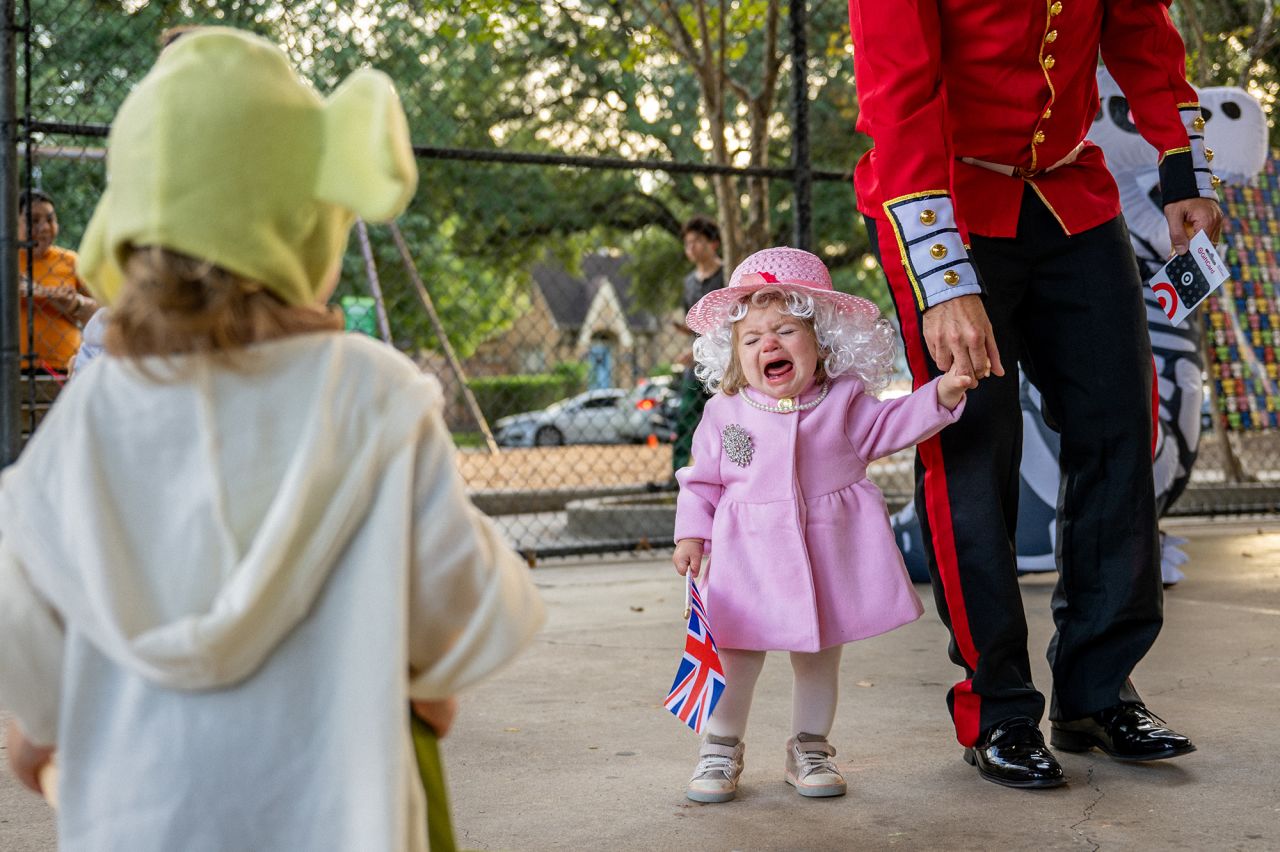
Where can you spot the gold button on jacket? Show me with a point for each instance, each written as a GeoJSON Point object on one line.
{"type": "Point", "coordinates": [938, 252]}
{"type": "Point", "coordinates": [951, 277]}
{"type": "Point", "coordinates": [928, 217]}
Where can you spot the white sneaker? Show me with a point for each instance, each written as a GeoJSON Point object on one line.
{"type": "Point", "coordinates": [715, 779]}
{"type": "Point", "coordinates": [810, 768]}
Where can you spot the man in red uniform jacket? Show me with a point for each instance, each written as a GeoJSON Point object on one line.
{"type": "Point", "coordinates": [998, 227]}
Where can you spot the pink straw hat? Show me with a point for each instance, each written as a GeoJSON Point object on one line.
{"type": "Point", "coordinates": [776, 269]}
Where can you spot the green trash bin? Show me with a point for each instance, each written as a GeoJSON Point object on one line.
{"type": "Point", "coordinates": [360, 314]}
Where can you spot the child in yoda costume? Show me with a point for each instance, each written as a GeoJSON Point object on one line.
{"type": "Point", "coordinates": [237, 548]}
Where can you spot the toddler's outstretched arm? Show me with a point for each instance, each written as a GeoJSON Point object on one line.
{"type": "Point", "coordinates": [878, 428]}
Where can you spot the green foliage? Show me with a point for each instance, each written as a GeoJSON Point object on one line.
{"type": "Point", "coordinates": [657, 267]}
{"type": "Point", "coordinates": [573, 374]}
{"type": "Point", "coordinates": [499, 396]}
{"type": "Point", "coordinates": [589, 77]}
{"type": "Point", "coordinates": [468, 440]}
{"type": "Point", "coordinates": [1234, 43]}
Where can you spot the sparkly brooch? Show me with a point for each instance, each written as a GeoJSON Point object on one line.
{"type": "Point", "coordinates": [737, 444]}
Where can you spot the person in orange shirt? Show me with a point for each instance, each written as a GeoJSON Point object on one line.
{"type": "Point", "coordinates": [62, 303]}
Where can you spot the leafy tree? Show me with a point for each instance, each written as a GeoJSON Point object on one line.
{"type": "Point", "coordinates": [1235, 43]}
{"type": "Point", "coordinates": [701, 81]}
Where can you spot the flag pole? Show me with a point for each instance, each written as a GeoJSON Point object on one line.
{"type": "Point", "coordinates": [688, 602]}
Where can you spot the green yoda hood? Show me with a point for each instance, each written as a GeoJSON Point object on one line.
{"type": "Point", "coordinates": [224, 153]}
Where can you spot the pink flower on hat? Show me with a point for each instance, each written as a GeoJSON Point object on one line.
{"type": "Point", "coordinates": [782, 268]}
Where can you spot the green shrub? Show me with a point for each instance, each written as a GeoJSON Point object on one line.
{"type": "Point", "coordinates": [468, 440]}
{"type": "Point", "coordinates": [574, 373]}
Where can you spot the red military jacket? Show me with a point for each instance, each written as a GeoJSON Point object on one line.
{"type": "Point", "coordinates": [1010, 83]}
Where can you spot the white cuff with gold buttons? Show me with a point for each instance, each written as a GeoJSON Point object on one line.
{"type": "Point", "coordinates": [1201, 157]}
{"type": "Point", "coordinates": [933, 254]}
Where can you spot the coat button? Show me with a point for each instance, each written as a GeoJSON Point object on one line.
{"type": "Point", "coordinates": [1215, 181]}
{"type": "Point", "coordinates": [938, 252]}
{"type": "Point", "coordinates": [1048, 113]}
{"type": "Point", "coordinates": [1208, 155]}
{"type": "Point", "coordinates": [1048, 63]}
{"type": "Point", "coordinates": [928, 217]}
{"type": "Point", "coordinates": [1038, 138]}
{"type": "Point", "coordinates": [1055, 9]}
{"type": "Point", "coordinates": [951, 277]}
{"type": "Point", "coordinates": [1051, 36]}
{"type": "Point", "coordinates": [1198, 123]}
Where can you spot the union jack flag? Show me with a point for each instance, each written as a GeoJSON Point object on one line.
{"type": "Point", "coordinates": [700, 679]}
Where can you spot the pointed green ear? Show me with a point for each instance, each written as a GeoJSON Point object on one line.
{"type": "Point", "coordinates": [97, 265]}
{"type": "Point", "coordinates": [367, 165]}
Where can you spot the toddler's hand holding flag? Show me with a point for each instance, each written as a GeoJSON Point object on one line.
{"type": "Point", "coordinates": [700, 679]}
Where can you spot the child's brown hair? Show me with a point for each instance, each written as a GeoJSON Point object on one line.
{"type": "Point", "coordinates": [173, 304]}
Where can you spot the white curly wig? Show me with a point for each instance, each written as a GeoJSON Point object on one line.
{"type": "Point", "coordinates": [847, 342]}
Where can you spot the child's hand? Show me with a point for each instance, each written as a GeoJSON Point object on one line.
{"type": "Point", "coordinates": [27, 760]}
{"type": "Point", "coordinates": [952, 388]}
{"type": "Point", "coordinates": [688, 556]}
{"type": "Point", "coordinates": [438, 715]}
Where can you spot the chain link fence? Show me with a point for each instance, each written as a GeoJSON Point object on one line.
{"type": "Point", "coordinates": [539, 270]}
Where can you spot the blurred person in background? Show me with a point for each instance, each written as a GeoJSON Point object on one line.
{"type": "Point", "coordinates": [701, 236]}
{"type": "Point", "coordinates": [62, 302]}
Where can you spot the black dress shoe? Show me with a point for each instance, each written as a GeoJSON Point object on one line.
{"type": "Point", "coordinates": [1013, 754]}
{"type": "Point", "coordinates": [1127, 731]}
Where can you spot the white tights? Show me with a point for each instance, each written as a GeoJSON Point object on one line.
{"type": "Point", "coordinates": [813, 701]}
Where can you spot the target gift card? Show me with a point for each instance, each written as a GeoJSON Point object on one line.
{"type": "Point", "coordinates": [1185, 282]}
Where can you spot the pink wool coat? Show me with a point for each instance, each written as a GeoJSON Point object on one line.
{"type": "Point", "coordinates": [802, 553]}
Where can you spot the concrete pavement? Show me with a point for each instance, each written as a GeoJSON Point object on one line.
{"type": "Point", "coordinates": [570, 748]}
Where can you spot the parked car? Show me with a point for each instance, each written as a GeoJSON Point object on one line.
{"type": "Point", "coordinates": [594, 417]}
{"type": "Point", "coordinates": [652, 408]}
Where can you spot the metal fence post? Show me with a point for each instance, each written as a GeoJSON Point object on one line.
{"type": "Point", "coordinates": [802, 179]}
{"type": "Point", "coordinates": [10, 328]}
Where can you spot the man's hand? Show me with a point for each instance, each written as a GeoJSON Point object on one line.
{"type": "Point", "coordinates": [958, 332]}
{"type": "Point", "coordinates": [25, 759]}
{"type": "Point", "coordinates": [1191, 215]}
{"type": "Point", "coordinates": [688, 556]}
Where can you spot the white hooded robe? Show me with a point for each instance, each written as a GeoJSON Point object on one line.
{"type": "Point", "coordinates": [219, 593]}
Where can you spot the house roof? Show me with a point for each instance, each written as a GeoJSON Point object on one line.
{"type": "Point", "coordinates": [569, 297]}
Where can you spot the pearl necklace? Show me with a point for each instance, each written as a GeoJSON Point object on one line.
{"type": "Point", "coordinates": [787, 405]}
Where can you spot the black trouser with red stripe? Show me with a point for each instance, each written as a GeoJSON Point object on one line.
{"type": "Point", "coordinates": [1070, 310]}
